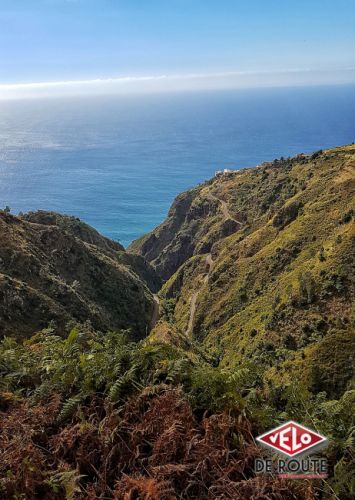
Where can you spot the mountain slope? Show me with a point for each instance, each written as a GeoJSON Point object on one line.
{"type": "Point", "coordinates": [89, 235]}
{"type": "Point", "coordinates": [265, 266]}
{"type": "Point", "coordinates": [254, 330]}
{"type": "Point", "coordinates": [54, 268]}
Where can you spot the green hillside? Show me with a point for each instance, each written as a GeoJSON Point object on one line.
{"type": "Point", "coordinates": [56, 270]}
{"type": "Point", "coordinates": [258, 266]}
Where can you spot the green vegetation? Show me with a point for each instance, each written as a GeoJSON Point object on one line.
{"type": "Point", "coordinates": [280, 289]}
{"type": "Point", "coordinates": [94, 414]}
{"type": "Point", "coordinates": [255, 328]}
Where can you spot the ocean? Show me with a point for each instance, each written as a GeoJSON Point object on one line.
{"type": "Point", "coordinates": [118, 162]}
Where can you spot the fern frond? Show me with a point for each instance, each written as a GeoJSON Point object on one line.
{"type": "Point", "coordinates": [116, 390]}
{"type": "Point", "coordinates": [68, 409]}
{"type": "Point", "coordinates": [123, 385]}
{"type": "Point", "coordinates": [69, 481]}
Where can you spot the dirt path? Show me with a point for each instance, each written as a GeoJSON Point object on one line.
{"type": "Point", "coordinates": [156, 310]}
{"type": "Point", "coordinates": [209, 263]}
{"type": "Point", "coordinates": [192, 313]}
{"type": "Point", "coordinates": [225, 210]}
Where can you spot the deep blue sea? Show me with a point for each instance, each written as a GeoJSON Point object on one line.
{"type": "Point", "coordinates": [118, 162]}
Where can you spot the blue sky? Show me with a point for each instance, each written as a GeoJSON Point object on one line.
{"type": "Point", "coordinates": [59, 40]}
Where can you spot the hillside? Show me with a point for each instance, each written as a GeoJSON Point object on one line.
{"type": "Point", "coordinates": [257, 265]}
{"type": "Point", "coordinates": [252, 327]}
{"type": "Point", "coordinates": [57, 270]}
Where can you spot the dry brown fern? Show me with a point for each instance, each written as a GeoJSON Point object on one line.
{"type": "Point", "coordinates": [153, 448]}
{"type": "Point", "coordinates": [143, 488]}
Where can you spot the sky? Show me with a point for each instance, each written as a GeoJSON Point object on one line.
{"type": "Point", "coordinates": [60, 47]}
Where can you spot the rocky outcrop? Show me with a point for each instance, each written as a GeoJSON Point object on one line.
{"type": "Point", "coordinates": [192, 221]}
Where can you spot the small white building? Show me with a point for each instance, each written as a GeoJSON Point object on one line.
{"type": "Point", "coordinates": [223, 172]}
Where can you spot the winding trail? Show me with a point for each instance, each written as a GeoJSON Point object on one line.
{"type": "Point", "coordinates": [209, 262]}
{"type": "Point", "coordinates": [192, 313]}
{"type": "Point", "coordinates": [225, 210]}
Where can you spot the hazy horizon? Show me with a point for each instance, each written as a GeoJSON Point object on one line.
{"type": "Point", "coordinates": [102, 47]}
{"type": "Point", "coordinates": [174, 83]}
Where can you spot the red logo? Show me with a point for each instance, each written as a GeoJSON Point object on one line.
{"type": "Point", "coordinates": [291, 439]}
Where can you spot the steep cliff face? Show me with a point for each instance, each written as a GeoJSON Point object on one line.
{"type": "Point", "coordinates": [196, 220]}
{"type": "Point", "coordinates": [258, 266]}
{"type": "Point", "coordinates": [54, 268]}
